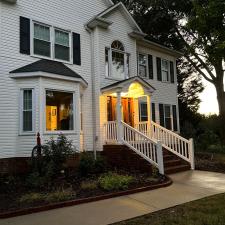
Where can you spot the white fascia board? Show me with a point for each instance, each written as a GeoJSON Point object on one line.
{"type": "Point", "coordinates": [48, 75]}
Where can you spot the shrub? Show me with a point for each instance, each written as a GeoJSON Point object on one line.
{"type": "Point", "coordinates": [60, 196]}
{"type": "Point", "coordinates": [155, 172]}
{"type": "Point", "coordinates": [113, 181]}
{"type": "Point", "coordinates": [88, 165]}
{"type": "Point", "coordinates": [89, 185]}
{"type": "Point", "coordinates": [34, 180]}
{"type": "Point", "coordinates": [32, 198]}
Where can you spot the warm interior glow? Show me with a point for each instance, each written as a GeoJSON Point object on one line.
{"type": "Point", "coordinates": [135, 91]}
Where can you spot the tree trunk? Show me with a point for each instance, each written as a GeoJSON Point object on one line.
{"type": "Point", "coordinates": [221, 102]}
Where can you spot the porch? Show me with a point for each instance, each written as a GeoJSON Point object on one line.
{"type": "Point", "coordinates": [146, 138]}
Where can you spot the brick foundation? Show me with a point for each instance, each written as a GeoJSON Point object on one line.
{"type": "Point", "coordinates": [120, 156]}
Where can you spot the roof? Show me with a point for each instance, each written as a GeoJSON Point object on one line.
{"type": "Point", "coordinates": [109, 2]}
{"type": "Point", "coordinates": [48, 66]}
{"type": "Point", "coordinates": [122, 83]}
{"type": "Point", "coordinates": [159, 47]}
{"type": "Point", "coordinates": [113, 7]}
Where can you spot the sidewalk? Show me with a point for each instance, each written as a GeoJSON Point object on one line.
{"type": "Point", "coordinates": [188, 186]}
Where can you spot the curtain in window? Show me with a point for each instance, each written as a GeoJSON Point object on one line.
{"type": "Point", "coordinates": [41, 32]}
{"type": "Point", "coordinates": [62, 50]}
{"type": "Point", "coordinates": [62, 38]}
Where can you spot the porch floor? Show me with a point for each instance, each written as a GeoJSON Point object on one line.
{"type": "Point", "coordinates": [187, 186]}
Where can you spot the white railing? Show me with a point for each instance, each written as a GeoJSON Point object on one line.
{"type": "Point", "coordinates": [171, 141]}
{"type": "Point", "coordinates": [110, 132]}
{"type": "Point", "coordinates": [143, 145]}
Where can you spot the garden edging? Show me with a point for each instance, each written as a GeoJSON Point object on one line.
{"type": "Point", "coordinates": [26, 211]}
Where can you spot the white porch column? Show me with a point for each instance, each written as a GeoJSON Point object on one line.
{"type": "Point", "coordinates": [149, 114]}
{"type": "Point", "coordinates": [119, 118]}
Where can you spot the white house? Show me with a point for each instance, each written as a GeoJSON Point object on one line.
{"type": "Point", "coordinates": [85, 69]}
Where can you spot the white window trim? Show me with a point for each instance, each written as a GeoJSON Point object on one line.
{"type": "Point", "coordinates": [52, 42]}
{"type": "Point", "coordinates": [75, 125]}
{"type": "Point", "coordinates": [147, 66]}
{"type": "Point", "coordinates": [21, 95]}
{"type": "Point", "coordinates": [126, 69]}
{"type": "Point", "coordinates": [169, 80]}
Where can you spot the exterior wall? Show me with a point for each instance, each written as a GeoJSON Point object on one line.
{"type": "Point", "coordinates": [71, 15]}
{"type": "Point", "coordinates": [165, 93]}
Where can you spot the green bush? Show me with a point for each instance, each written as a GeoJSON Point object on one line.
{"type": "Point", "coordinates": [34, 180]}
{"type": "Point", "coordinates": [88, 165]}
{"type": "Point", "coordinates": [59, 196]}
{"type": "Point", "coordinates": [113, 181]}
{"type": "Point", "coordinates": [32, 198]}
{"type": "Point", "coordinates": [89, 185]}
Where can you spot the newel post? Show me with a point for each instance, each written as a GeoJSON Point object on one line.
{"type": "Point", "coordinates": [192, 153]}
{"type": "Point", "coordinates": [119, 118]}
{"type": "Point", "coordinates": [160, 157]}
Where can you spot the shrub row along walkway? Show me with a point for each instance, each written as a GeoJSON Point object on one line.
{"type": "Point", "coordinates": [188, 186]}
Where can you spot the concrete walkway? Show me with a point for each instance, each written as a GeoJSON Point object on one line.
{"type": "Point", "coordinates": [188, 186]}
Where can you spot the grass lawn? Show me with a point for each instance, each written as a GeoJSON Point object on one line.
{"type": "Point", "coordinates": [207, 211]}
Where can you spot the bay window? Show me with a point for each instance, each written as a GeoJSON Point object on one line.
{"type": "Point", "coordinates": [51, 42]}
{"type": "Point", "coordinates": [59, 111]}
{"type": "Point", "coordinates": [116, 61]}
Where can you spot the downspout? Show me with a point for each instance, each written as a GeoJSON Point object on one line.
{"type": "Point", "coordinates": [93, 90]}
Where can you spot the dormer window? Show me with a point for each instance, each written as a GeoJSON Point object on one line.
{"type": "Point", "coordinates": [117, 61]}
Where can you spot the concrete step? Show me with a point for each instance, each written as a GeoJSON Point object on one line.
{"type": "Point", "coordinates": [172, 162]}
{"type": "Point", "coordinates": [177, 168]}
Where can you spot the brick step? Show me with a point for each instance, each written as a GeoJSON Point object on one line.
{"type": "Point", "coordinates": [177, 168]}
{"type": "Point", "coordinates": [172, 162]}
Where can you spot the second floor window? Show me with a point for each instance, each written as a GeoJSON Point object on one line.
{"type": "Point", "coordinates": [165, 71]}
{"type": "Point", "coordinates": [51, 42]}
{"type": "Point", "coordinates": [142, 65]}
{"type": "Point", "coordinates": [117, 61]}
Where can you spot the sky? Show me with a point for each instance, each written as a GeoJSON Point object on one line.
{"type": "Point", "coordinates": [209, 103]}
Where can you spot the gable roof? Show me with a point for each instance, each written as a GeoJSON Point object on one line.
{"type": "Point", "coordinates": [109, 2]}
{"type": "Point", "coordinates": [123, 83]}
{"type": "Point", "coordinates": [48, 66]}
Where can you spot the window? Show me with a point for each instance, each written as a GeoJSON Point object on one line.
{"type": "Point", "coordinates": [142, 65]}
{"type": "Point", "coordinates": [143, 111]}
{"type": "Point", "coordinates": [62, 45]}
{"type": "Point", "coordinates": [27, 110]}
{"type": "Point", "coordinates": [42, 43]}
{"type": "Point", "coordinates": [116, 61]}
{"type": "Point", "coordinates": [59, 111]}
{"type": "Point", "coordinates": [43, 38]}
{"type": "Point", "coordinates": [168, 117]}
{"type": "Point", "coordinates": [165, 71]}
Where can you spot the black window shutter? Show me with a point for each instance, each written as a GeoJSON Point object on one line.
{"type": "Point", "coordinates": [76, 49]}
{"type": "Point", "coordinates": [24, 35]}
{"type": "Point", "coordinates": [150, 66]}
{"type": "Point", "coordinates": [153, 112]}
{"type": "Point", "coordinates": [172, 72]}
{"type": "Point", "coordinates": [175, 127]}
{"type": "Point", "coordinates": [159, 70]}
{"type": "Point", "coordinates": [161, 114]}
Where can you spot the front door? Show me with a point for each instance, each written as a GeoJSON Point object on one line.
{"type": "Point", "coordinates": [127, 110]}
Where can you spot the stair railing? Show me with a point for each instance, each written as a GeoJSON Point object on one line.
{"type": "Point", "coordinates": [171, 141]}
{"type": "Point", "coordinates": [110, 132]}
{"type": "Point", "coordinates": [144, 146]}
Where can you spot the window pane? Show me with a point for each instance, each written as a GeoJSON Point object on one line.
{"type": "Point", "coordinates": [165, 65]}
{"type": "Point", "coordinates": [143, 111]}
{"type": "Point", "coordinates": [168, 117]}
{"type": "Point", "coordinates": [142, 71]}
{"type": "Point", "coordinates": [59, 111]}
{"type": "Point", "coordinates": [42, 48]}
{"type": "Point", "coordinates": [27, 110]}
{"type": "Point", "coordinates": [106, 62]}
{"type": "Point", "coordinates": [142, 59]}
{"type": "Point", "coordinates": [62, 52]}
{"type": "Point", "coordinates": [165, 76]}
{"type": "Point", "coordinates": [41, 32]}
{"type": "Point", "coordinates": [117, 45]}
{"type": "Point", "coordinates": [62, 38]}
{"type": "Point", "coordinates": [118, 68]}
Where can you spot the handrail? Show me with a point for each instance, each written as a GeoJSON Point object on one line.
{"type": "Point", "coordinates": [110, 132]}
{"type": "Point", "coordinates": [144, 146]}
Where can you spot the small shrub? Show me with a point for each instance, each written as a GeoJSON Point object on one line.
{"type": "Point", "coordinates": [59, 196]}
{"type": "Point", "coordinates": [34, 180]}
{"type": "Point", "coordinates": [88, 165]}
{"type": "Point", "coordinates": [155, 172]}
{"type": "Point", "coordinates": [113, 181]}
{"type": "Point", "coordinates": [89, 185]}
{"type": "Point", "coordinates": [31, 198]}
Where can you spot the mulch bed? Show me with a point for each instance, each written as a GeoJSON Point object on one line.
{"type": "Point", "coordinates": [10, 195]}
{"type": "Point", "coordinates": [209, 162]}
